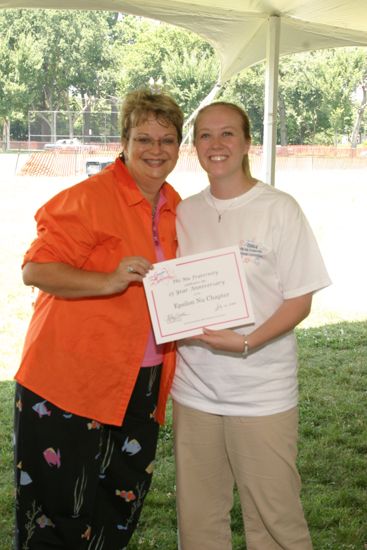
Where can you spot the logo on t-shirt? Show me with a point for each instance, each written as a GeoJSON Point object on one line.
{"type": "Point", "coordinates": [251, 251]}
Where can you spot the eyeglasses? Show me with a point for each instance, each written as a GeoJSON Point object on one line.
{"type": "Point", "coordinates": [146, 142]}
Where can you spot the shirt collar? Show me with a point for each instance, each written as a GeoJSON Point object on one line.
{"type": "Point", "coordinates": [131, 190]}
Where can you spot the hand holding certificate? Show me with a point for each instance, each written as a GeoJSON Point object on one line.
{"type": "Point", "coordinates": [202, 290]}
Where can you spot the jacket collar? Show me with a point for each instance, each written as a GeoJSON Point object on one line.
{"type": "Point", "coordinates": [131, 191]}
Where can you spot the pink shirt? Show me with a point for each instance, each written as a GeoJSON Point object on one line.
{"type": "Point", "coordinates": [153, 352]}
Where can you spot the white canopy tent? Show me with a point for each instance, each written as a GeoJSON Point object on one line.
{"type": "Point", "coordinates": [244, 32]}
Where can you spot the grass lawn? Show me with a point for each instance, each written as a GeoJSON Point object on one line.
{"type": "Point", "coordinates": [332, 449]}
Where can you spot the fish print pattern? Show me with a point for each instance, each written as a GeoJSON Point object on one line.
{"type": "Point", "coordinates": [98, 454]}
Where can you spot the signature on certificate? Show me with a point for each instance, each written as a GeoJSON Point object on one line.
{"type": "Point", "coordinates": [175, 317]}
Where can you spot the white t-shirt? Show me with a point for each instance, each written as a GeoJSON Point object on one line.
{"type": "Point", "coordinates": [281, 260]}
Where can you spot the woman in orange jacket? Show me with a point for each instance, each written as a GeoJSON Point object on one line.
{"type": "Point", "coordinates": [92, 385]}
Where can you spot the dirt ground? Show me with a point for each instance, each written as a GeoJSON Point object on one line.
{"type": "Point", "coordinates": [334, 201]}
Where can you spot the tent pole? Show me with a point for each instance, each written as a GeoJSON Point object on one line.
{"type": "Point", "coordinates": [271, 98]}
{"type": "Point", "coordinates": [189, 122]}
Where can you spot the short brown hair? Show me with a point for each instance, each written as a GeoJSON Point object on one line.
{"type": "Point", "coordinates": [139, 104]}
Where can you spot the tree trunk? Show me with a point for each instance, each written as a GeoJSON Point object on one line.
{"type": "Point", "coordinates": [86, 115]}
{"type": "Point", "coordinates": [282, 123]}
{"type": "Point", "coordinates": [6, 134]}
{"type": "Point", "coordinates": [361, 109]}
{"type": "Point", "coordinates": [70, 121]}
{"type": "Point", "coordinates": [114, 130]}
{"type": "Point", "coordinates": [50, 117]}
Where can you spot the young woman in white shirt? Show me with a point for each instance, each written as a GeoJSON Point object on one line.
{"type": "Point", "coordinates": [235, 392]}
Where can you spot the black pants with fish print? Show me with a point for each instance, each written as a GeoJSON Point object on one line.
{"type": "Point", "coordinates": [80, 485]}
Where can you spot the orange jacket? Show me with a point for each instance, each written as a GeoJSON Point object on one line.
{"type": "Point", "coordinates": [84, 355]}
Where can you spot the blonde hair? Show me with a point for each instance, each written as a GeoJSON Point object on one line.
{"type": "Point", "coordinates": [139, 104]}
{"type": "Point", "coordinates": [245, 127]}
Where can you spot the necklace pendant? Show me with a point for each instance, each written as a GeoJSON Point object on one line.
{"type": "Point", "coordinates": [219, 218]}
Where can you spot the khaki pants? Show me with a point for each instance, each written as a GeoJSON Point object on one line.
{"type": "Point", "coordinates": [258, 454]}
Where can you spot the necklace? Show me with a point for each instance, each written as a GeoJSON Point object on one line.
{"type": "Point", "coordinates": [221, 212]}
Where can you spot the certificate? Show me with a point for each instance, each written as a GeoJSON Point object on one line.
{"type": "Point", "coordinates": [202, 290]}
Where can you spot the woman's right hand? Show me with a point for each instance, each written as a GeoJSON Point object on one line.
{"type": "Point", "coordinates": [132, 269]}
{"type": "Point", "coordinates": [66, 281]}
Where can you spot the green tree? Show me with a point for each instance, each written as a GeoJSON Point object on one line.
{"type": "Point", "coordinates": [87, 60]}
{"type": "Point", "coordinates": [19, 70]}
{"type": "Point", "coordinates": [317, 89]}
{"type": "Point", "coordinates": [247, 90]}
{"type": "Point", "coordinates": [184, 62]}
{"type": "Point", "coordinates": [49, 56]}
{"type": "Point", "coordinates": [190, 75]}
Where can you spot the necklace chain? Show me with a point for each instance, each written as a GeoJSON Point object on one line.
{"type": "Point", "coordinates": [221, 212]}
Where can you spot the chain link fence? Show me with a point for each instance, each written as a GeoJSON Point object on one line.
{"type": "Point", "coordinates": [83, 127]}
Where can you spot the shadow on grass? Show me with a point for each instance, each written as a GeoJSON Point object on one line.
{"type": "Point", "coordinates": [332, 449]}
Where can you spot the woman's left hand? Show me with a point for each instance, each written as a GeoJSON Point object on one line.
{"type": "Point", "coordinates": [291, 312]}
{"type": "Point", "coordinates": [223, 340]}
